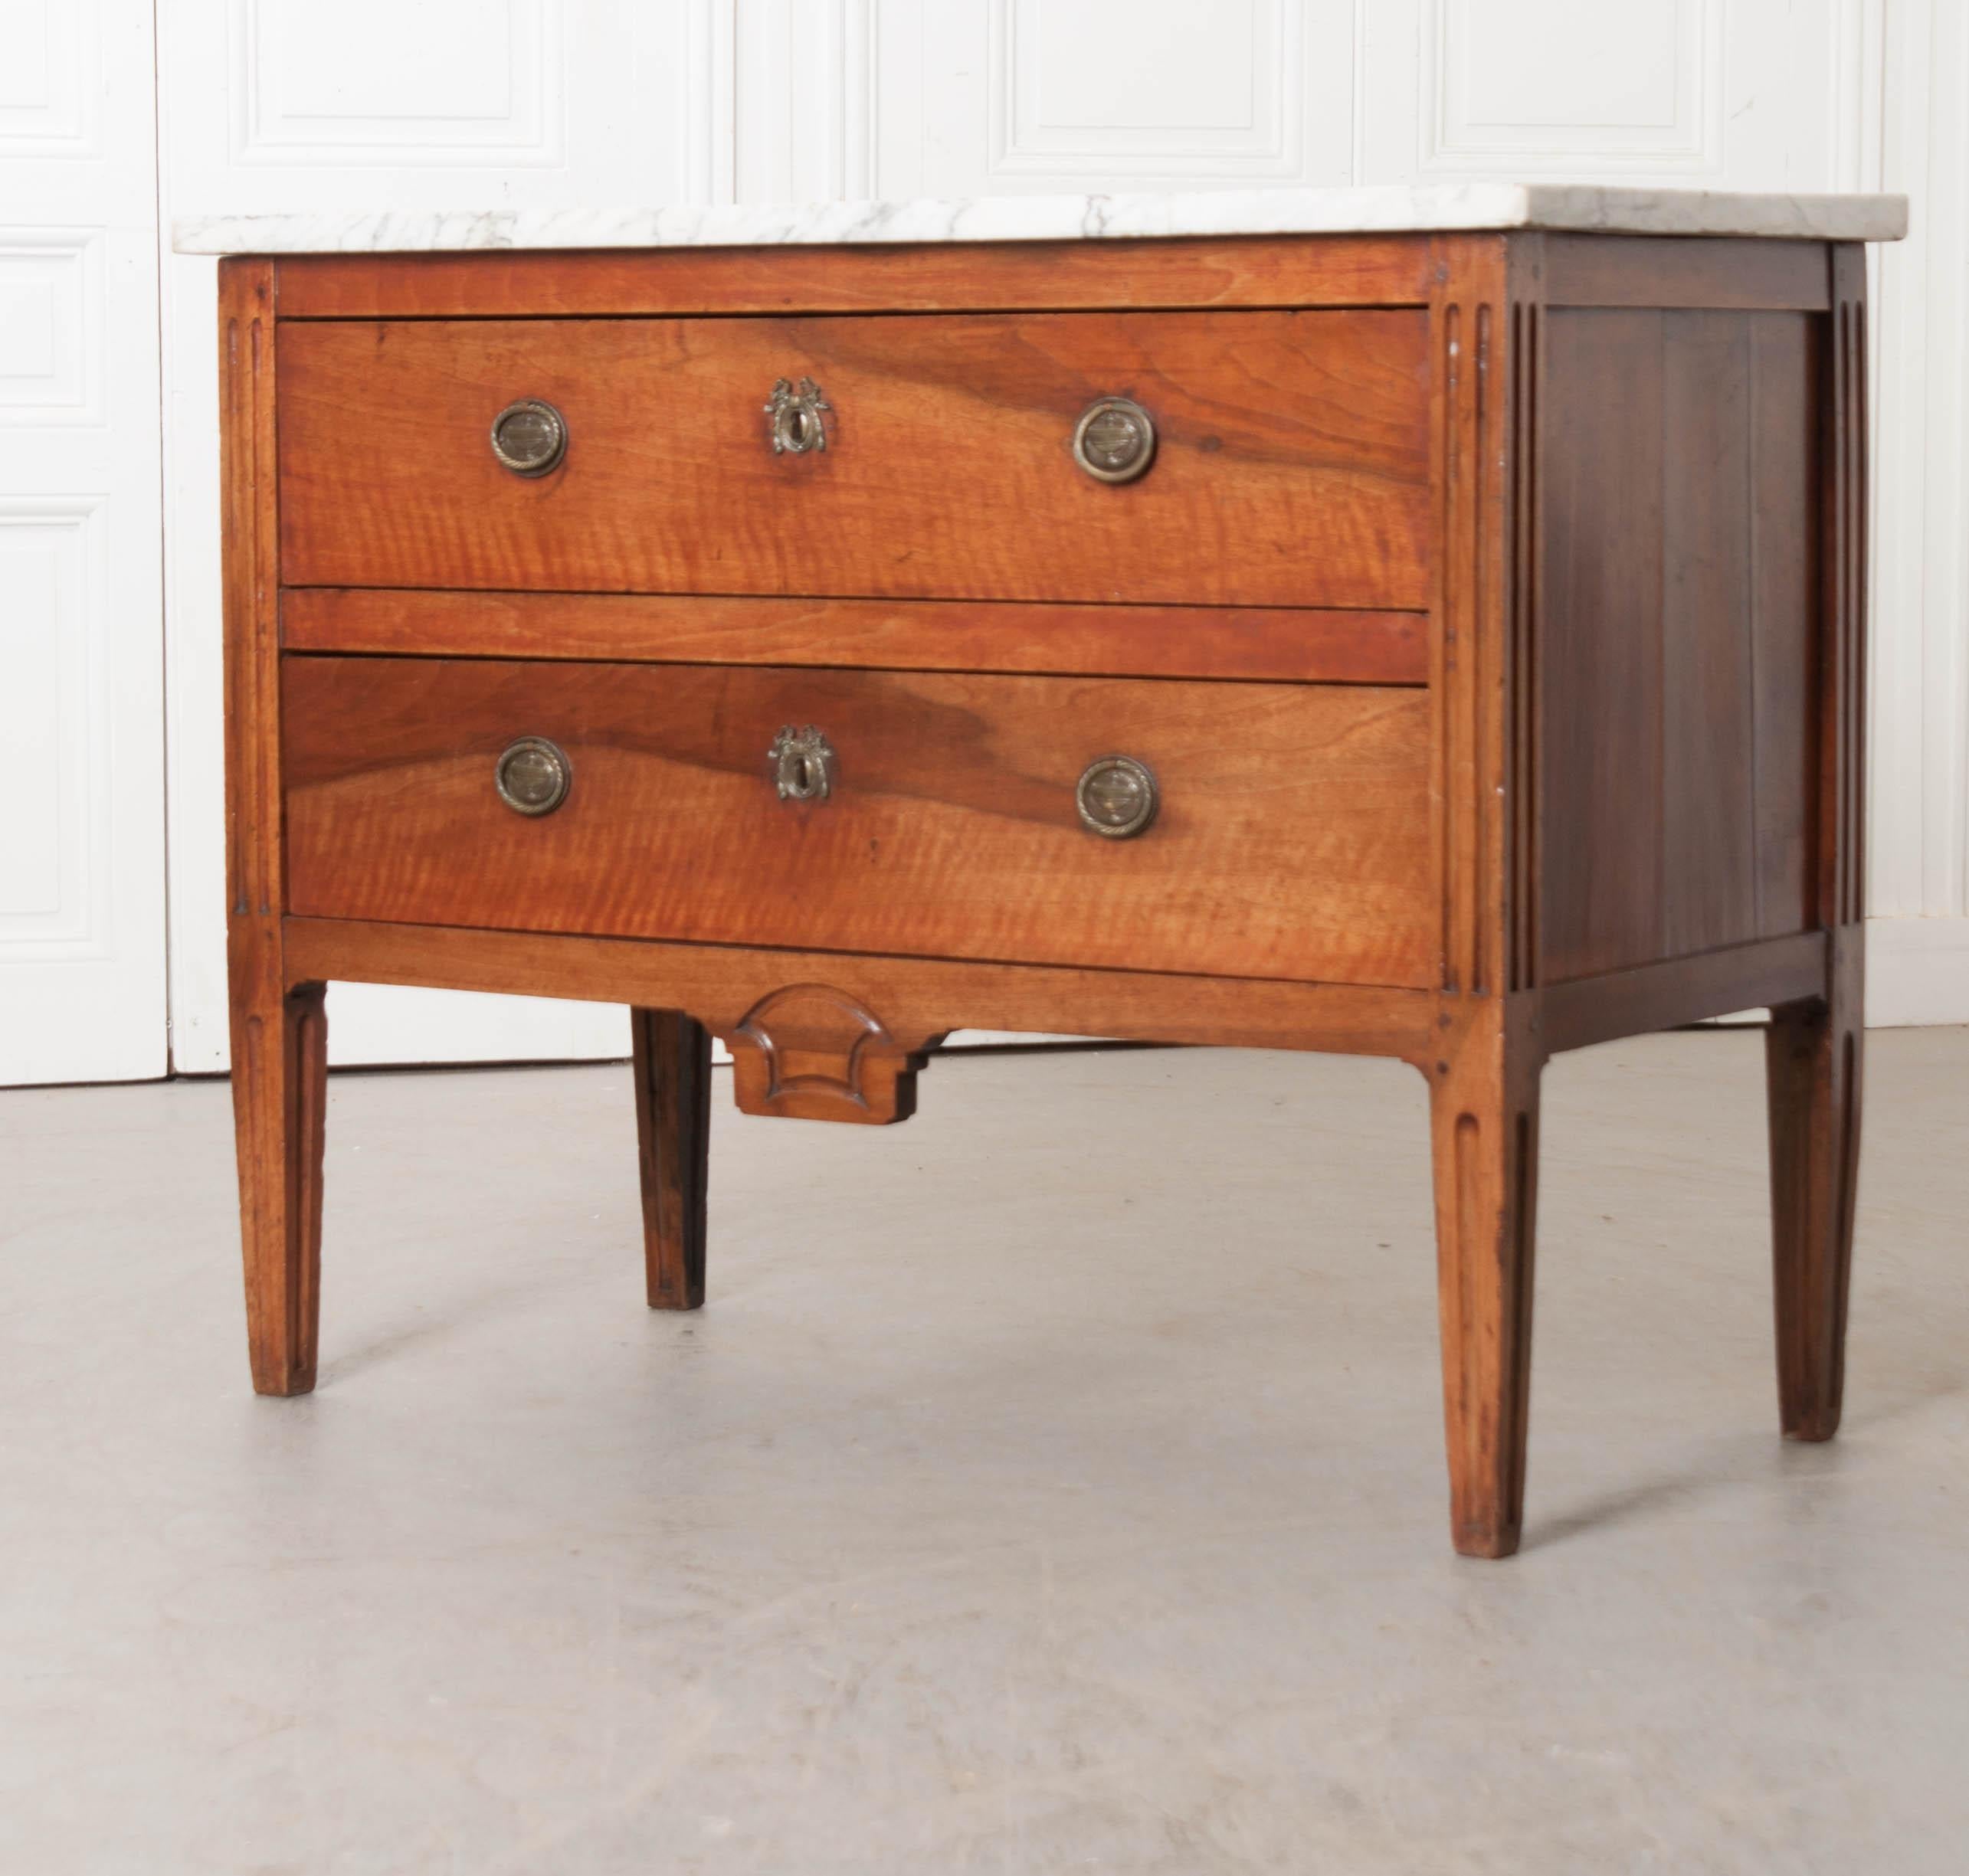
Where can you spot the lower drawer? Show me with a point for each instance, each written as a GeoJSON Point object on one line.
{"type": "Point", "coordinates": [1291, 837]}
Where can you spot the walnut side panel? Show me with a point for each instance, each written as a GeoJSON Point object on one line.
{"type": "Point", "coordinates": [1676, 636]}
{"type": "Point", "coordinates": [1695, 272]}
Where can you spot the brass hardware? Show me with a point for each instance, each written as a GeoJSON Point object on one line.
{"type": "Point", "coordinates": [1117, 796]}
{"type": "Point", "coordinates": [1114, 440]}
{"type": "Point", "coordinates": [530, 438]}
{"type": "Point", "coordinates": [797, 425]}
{"type": "Point", "coordinates": [533, 775]}
{"type": "Point", "coordinates": [802, 764]}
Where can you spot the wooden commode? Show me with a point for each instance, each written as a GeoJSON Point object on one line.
{"type": "Point", "coordinates": [1425, 623]}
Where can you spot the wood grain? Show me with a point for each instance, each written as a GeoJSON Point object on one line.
{"type": "Point", "coordinates": [1521, 684]}
{"type": "Point", "coordinates": [1602, 475]}
{"type": "Point", "coordinates": [1476, 449]}
{"type": "Point", "coordinates": [1838, 782]}
{"type": "Point", "coordinates": [1337, 271]}
{"type": "Point", "coordinates": [1815, 1049]}
{"type": "Point", "coordinates": [1813, 1059]}
{"type": "Point", "coordinates": [1707, 679]}
{"type": "Point", "coordinates": [280, 1099]}
{"type": "Point", "coordinates": [809, 1051]}
{"type": "Point", "coordinates": [1678, 990]}
{"type": "Point", "coordinates": [670, 1065]}
{"type": "Point", "coordinates": [1291, 468]}
{"type": "Point", "coordinates": [1292, 839]}
{"type": "Point", "coordinates": [279, 1027]}
{"type": "Point", "coordinates": [1786, 364]}
{"type": "Point", "coordinates": [1482, 1067]}
{"type": "Point", "coordinates": [1698, 272]}
{"type": "Point", "coordinates": [1285, 645]}
{"type": "Point", "coordinates": [916, 999]}
{"type": "Point", "coordinates": [1676, 635]}
{"type": "Point", "coordinates": [1484, 1121]}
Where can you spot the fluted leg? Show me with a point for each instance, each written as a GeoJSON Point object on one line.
{"type": "Point", "coordinates": [1484, 1100]}
{"type": "Point", "coordinates": [280, 1099]}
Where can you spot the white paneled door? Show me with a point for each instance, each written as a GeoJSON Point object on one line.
{"type": "Point", "coordinates": [109, 107]}
{"type": "Point", "coordinates": [275, 105]}
{"type": "Point", "coordinates": [82, 895]}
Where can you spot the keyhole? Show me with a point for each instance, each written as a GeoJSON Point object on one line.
{"type": "Point", "coordinates": [800, 762]}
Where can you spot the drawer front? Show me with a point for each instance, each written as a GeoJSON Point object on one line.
{"type": "Point", "coordinates": [1290, 468]}
{"type": "Point", "coordinates": [1292, 838]}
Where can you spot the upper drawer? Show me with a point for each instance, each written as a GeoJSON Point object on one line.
{"type": "Point", "coordinates": [1291, 465]}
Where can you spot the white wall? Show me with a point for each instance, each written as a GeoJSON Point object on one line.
{"type": "Point", "coordinates": [1919, 822]}
{"type": "Point", "coordinates": [269, 104]}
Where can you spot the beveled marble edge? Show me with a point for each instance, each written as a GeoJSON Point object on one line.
{"type": "Point", "coordinates": [1574, 207]}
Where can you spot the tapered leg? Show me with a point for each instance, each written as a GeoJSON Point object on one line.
{"type": "Point", "coordinates": [1484, 1103]}
{"type": "Point", "coordinates": [280, 1035]}
{"type": "Point", "coordinates": [1812, 1062]}
{"type": "Point", "coordinates": [673, 1073]}
{"type": "Point", "coordinates": [279, 1097]}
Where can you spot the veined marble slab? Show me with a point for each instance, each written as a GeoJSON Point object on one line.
{"type": "Point", "coordinates": [1465, 206]}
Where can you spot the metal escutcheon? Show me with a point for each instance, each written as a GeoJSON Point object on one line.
{"type": "Point", "coordinates": [1114, 440]}
{"type": "Point", "coordinates": [530, 438]}
{"type": "Point", "coordinates": [1117, 796]}
{"type": "Point", "coordinates": [533, 775]}
{"type": "Point", "coordinates": [796, 424]}
{"type": "Point", "coordinates": [802, 764]}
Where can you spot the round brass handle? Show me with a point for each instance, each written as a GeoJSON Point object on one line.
{"type": "Point", "coordinates": [1117, 797]}
{"type": "Point", "coordinates": [802, 764]}
{"type": "Point", "coordinates": [1114, 440]}
{"type": "Point", "coordinates": [533, 775]}
{"type": "Point", "coordinates": [530, 438]}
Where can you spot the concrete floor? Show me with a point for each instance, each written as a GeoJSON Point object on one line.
{"type": "Point", "coordinates": [1053, 1483]}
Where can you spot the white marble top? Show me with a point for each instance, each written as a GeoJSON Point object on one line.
{"type": "Point", "coordinates": [1472, 205]}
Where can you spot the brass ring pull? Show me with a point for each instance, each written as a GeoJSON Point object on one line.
{"type": "Point", "coordinates": [796, 423]}
{"type": "Point", "coordinates": [533, 775]}
{"type": "Point", "coordinates": [1114, 440]}
{"type": "Point", "coordinates": [530, 438]}
{"type": "Point", "coordinates": [1117, 797]}
{"type": "Point", "coordinates": [802, 764]}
